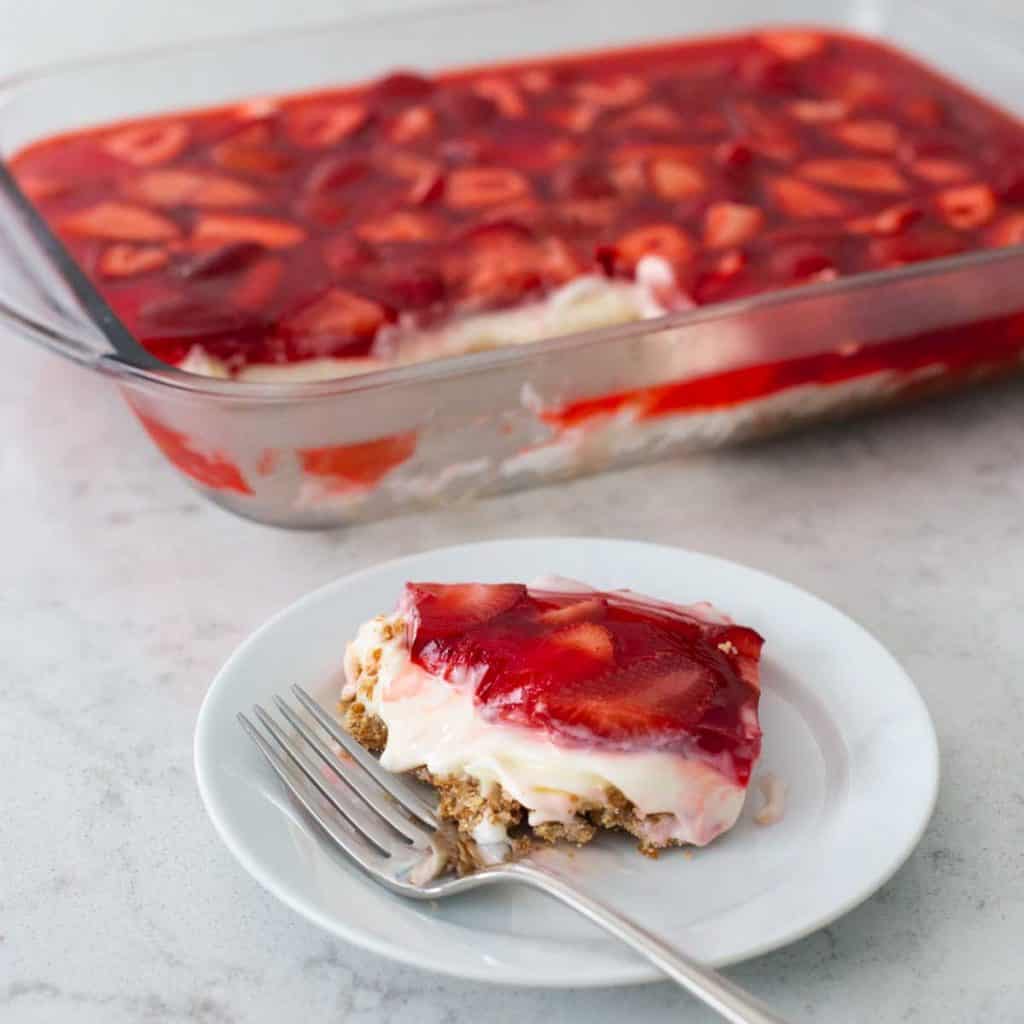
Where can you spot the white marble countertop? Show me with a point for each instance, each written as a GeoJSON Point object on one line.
{"type": "Point", "coordinates": [122, 592]}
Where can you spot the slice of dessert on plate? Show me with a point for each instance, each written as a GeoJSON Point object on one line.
{"type": "Point", "coordinates": [553, 710]}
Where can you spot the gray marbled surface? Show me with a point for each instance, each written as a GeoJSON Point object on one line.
{"type": "Point", "coordinates": [122, 592]}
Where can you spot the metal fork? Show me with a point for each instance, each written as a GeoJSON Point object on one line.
{"type": "Point", "coordinates": [395, 836]}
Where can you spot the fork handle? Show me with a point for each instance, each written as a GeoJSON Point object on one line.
{"type": "Point", "coordinates": [730, 1001]}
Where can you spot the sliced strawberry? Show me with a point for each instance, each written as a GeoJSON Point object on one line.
{"type": "Point", "coordinates": [470, 187]}
{"type": "Point", "coordinates": [408, 166]}
{"type": "Point", "coordinates": [587, 638]}
{"type": "Point", "coordinates": [893, 220]}
{"type": "Point", "coordinates": [968, 206]}
{"type": "Point", "coordinates": [122, 260]}
{"type": "Point", "coordinates": [818, 111]}
{"type": "Point", "coordinates": [148, 144]}
{"type": "Point", "coordinates": [855, 174]}
{"type": "Point", "coordinates": [645, 152]}
{"type": "Point", "coordinates": [252, 151]}
{"type": "Point", "coordinates": [527, 211]}
{"type": "Point", "coordinates": [358, 465]}
{"type": "Point", "coordinates": [589, 213]}
{"type": "Point", "coordinates": [436, 610]}
{"type": "Point", "coordinates": [1009, 230]}
{"type": "Point", "coordinates": [858, 86]}
{"type": "Point", "coordinates": [401, 226]}
{"type": "Point", "coordinates": [274, 234]}
{"type": "Point", "coordinates": [660, 698]}
{"type": "Point", "coordinates": [588, 609]}
{"type": "Point", "coordinates": [576, 117]}
{"type": "Point", "coordinates": [728, 224]}
{"type": "Point", "coordinates": [318, 125]}
{"type": "Point", "coordinates": [38, 187]}
{"type": "Point", "coordinates": [872, 134]}
{"type": "Point", "coordinates": [630, 177]}
{"type": "Point", "coordinates": [924, 110]}
{"type": "Point", "coordinates": [668, 241]}
{"type": "Point", "coordinates": [677, 179]}
{"type": "Point", "coordinates": [650, 117]}
{"type": "Point", "coordinates": [122, 222]}
{"type": "Point", "coordinates": [766, 132]}
{"type": "Point", "coordinates": [213, 470]}
{"type": "Point", "coordinates": [500, 266]}
{"type": "Point", "coordinates": [503, 94]}
{"type": "Point", "coordinates": [921, 242]}
{"type": "Point", "coordinates": [258, 284]}
{"type": "Point", "coordinates": [427, 189]}
{"type": "Point", "coordinates": [340, 313]}
{"type": "Point", "coordinates": [614, 91]}
{"type": "Point", "coordinates": [558, 262]}
{"type": "Point", "coordinates": [792, 44]}
{"type": "Point", "coordinates": [335, 172]}
{"type": "Point", "coordinates": [174, 187]}
{"type": "Point", "coordinates": [412, 124]}
{"type": "Point", "coordinates": [941, 171]}
{"type": "Point", "coordinates": [799, 199]}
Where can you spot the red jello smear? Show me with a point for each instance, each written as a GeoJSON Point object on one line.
{"type": "Point", "coordinates": [609, 671]}
{"type": "Point", "coordinates": [282, 231]}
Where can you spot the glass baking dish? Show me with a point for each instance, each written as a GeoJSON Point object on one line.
{"type": "Point", "coordinates": [328, 453]}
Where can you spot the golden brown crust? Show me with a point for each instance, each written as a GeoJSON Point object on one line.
{"type": "Point", "coordinates": [367, 729]}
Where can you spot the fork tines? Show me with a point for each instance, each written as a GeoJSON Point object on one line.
{"type": "Point", "coordinates": [376, 817]}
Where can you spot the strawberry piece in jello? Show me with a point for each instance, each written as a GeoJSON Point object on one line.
{"type": "Point", "coordinates": [148, 144]}
{"type": "Point", "coordinates": [214, 470]}
{"type": "Point", "coordinates": [346, 467]}
{"type": "Point", "coordinates": [613, 671]}
{"type": "Point", "coordinates": [122, 222]}
{"type": "Point", "coordinates": [122, 260]}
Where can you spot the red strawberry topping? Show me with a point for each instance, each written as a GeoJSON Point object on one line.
{"type": "Point", "coordinates": [613, 671]}
{"type": "Point", "coordinates": [747, 163]}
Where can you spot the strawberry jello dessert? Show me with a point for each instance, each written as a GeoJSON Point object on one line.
{"type": "Point", "coordinates": [419, 216]}
{"type": "Point", "coordinates": [552, 711]}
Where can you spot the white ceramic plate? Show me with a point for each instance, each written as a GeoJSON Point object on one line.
{"type": "Point", "coordinates": [843, 725]}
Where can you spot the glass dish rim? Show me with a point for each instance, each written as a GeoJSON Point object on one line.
{"type": "Point", "coordinates": [449, 367]}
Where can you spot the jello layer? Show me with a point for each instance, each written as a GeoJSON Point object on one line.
{"type": "Point", "coordinates": [435, 725]}
{"type": "Point", "coordinates": [363, 223]}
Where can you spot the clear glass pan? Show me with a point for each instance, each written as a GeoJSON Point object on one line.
{"type": "Point", "coordinates": [470, 425]}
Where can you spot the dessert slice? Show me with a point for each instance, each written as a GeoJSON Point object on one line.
{"type": "Point", "coordinates": [554, 710]}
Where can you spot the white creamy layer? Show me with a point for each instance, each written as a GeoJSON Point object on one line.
{"type": "Point", "coordinates": [434, 723]}
{"type": "Point", "coordinates": [583, 304]}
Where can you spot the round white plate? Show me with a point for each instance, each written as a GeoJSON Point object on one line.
{"type": "Point", "coordinates": [844, 728]}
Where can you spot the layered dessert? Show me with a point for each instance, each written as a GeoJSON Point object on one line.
{"type": "Point", "coordinates": [552, 711]}
{"type": "Point", "coordinates": [422, 216]}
